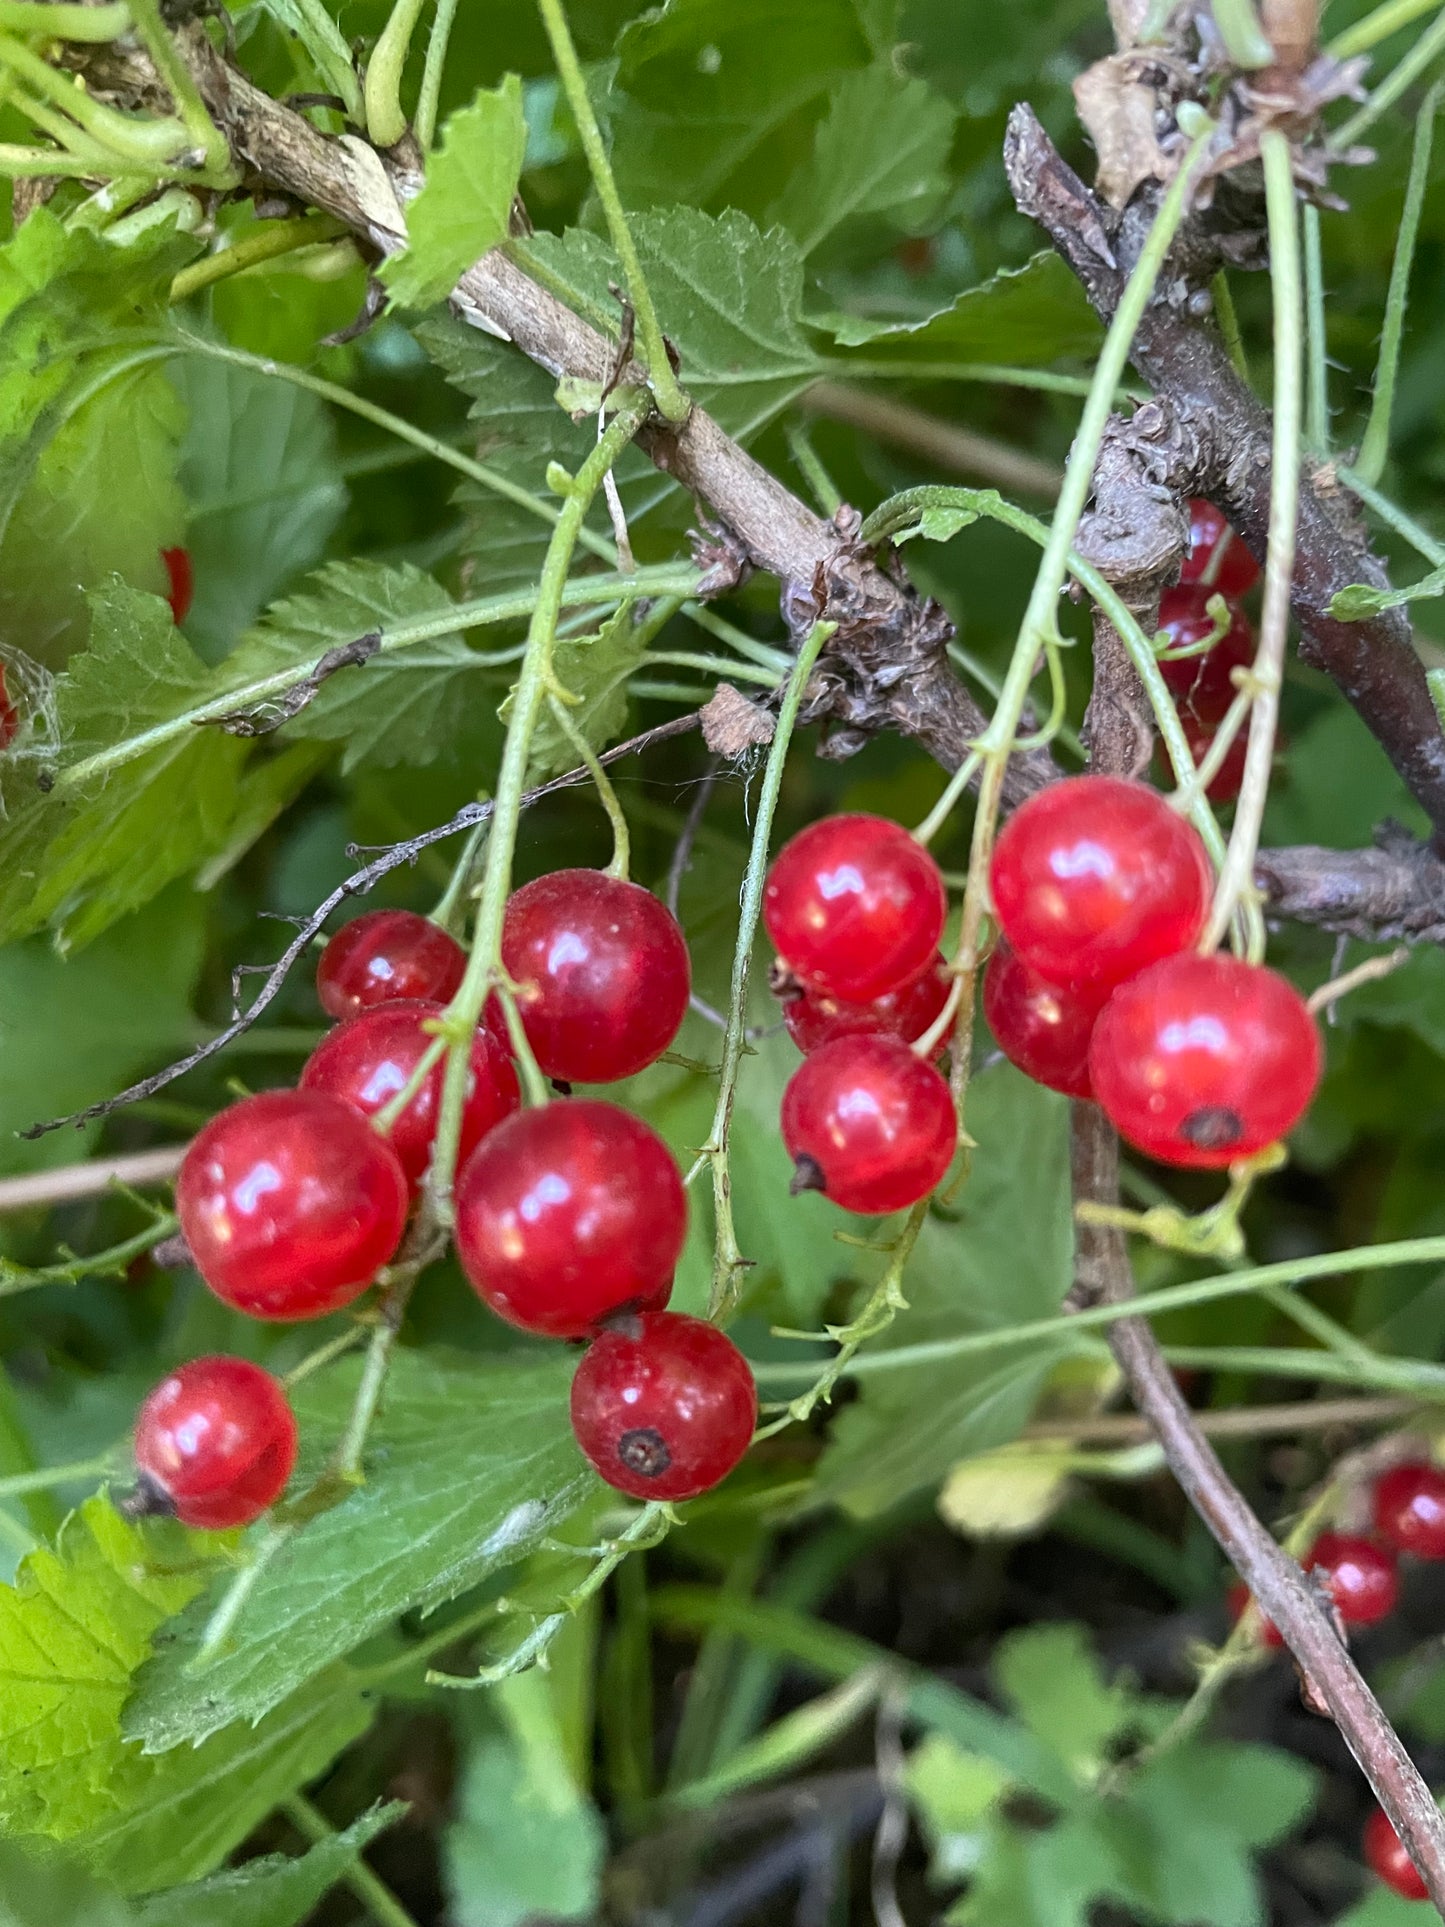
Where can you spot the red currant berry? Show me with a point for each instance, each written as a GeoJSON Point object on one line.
{"type": "Point", "coordinates": [1038, 1026]}
{"type": "Point", "coordinates": [814, 1019]}
{"type": "Point", "coordinates": [369, 1058]}
{"type": "Point", "coordinates": [569, 1213]}
{"type": "Point", "coordinates": [1202, 686]}
{"type": "Point", "coordinates": [1202, 1060]}
{"type": "Point", "coordinates": [868, 1124]}
{"type": "Point", "coordinates": [215, 1443]}
{"type": "Point", "coordinates": [601, 971]}
{"type": "Point", "coordinates": [385, 956]}
{"type": "Point", "coordinates": [9, 714]}
{"type": "Point", "coordinates": [290, 1204]}
{"type": "Point", "coordinates": [663, 1405]}
{"type": "Point", "coordinates": [1387, 1859]}
{"type": "Point", "coordinates": [855, 907]}
{"type": "Point", "coordinates": [182, 578]}
{"type": "Point", "coordinates": [1094, 877]}
{"type": "Point", "coordinates": [1409, 1508]}
{"type": "Point", "coordinates": [1228, 779]}
{"type": "Point", "coordinates": [1216, 554]}
{"type": "Point", "coordinates": [1361, 1576]}
{"type": "Point", "coordinates": [1236, 1599]}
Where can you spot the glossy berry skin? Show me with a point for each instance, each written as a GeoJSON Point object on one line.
{"type": "Point", "coordinates": [855, 907]}
{"type": "Point", "coordinates": [1202, 1060]}
{"type": "Point", "coordinates": [290, 1204]}
{"type": "Point", "coordinates": [1409, 1509]}
{"type": "Point", "coordinates": [814, 1019]}
{"type": "Point", "coordinates": [385, 956]}
{"type": "Point", "coordinates": [215, 1442]}
{"type": "Point", "coordinates": [1387, 1859]}
{"type": "Point", "coordinates": [1216, 554]}
{"type": "Point", "coordinates": [1042, 1029]}
{"type": "Point", "coordinates": [569, 1213]}
{"type": "Point", "coordinates": [1202, 686]}
{"type": "Point", "coordinates": [869, 1124]}
{"type": "Point", "coordinates": [371, 1057]}
{"type": "Point", "coordinates": [1094, 878]}
{"type": "Point", "coordinates": [601, 971]}
{"type": "Point", "coordinates": [181, 578]}
{"type": "Point", "coordinates": [663, 1405]}
{"type": "Point", "coordinates": [1361, 1576]}
{"type": "Point", "coordinates": [1228, 779]}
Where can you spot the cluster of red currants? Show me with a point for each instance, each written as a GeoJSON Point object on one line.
{"type": "Point", "coordinates": [1202, 685]}
{"type": "Point", "coordinates": [569, 1217]}
{"type": "Point", "coordinates": [1362, 1577]}
{"type": "Point", "coordinates": [855, 907]}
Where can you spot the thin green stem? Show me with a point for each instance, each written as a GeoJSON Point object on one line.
{"type": "Point", "coordinates": [119, 135]}
{"type": "Point", "coordinates": [346, 1460]}
{"type": "Point", "coordinates": [377, 1898]}
{"type": "Point", "coordinates": [1317, 407]}
{"type": "Point", "coordinates": [201, 129]}
{"type": "Point", "coordinates": [985, 371]}
{"type": "Point", "coordinates": [1227, 316]}
{"type": "Point", "coordinates": [715, 666]}
{"type": "Point", "coordinates": [810, 467]}
{"type": "Point", "coordinates": [1378, 26]}
{"type": "Point", "coordinates": [669, 397]}
{"type": "Point", "coordinates": [1319, 1325]}
{"type": "Point", "coordinates": [1267, 674]}
{"type": "Point", "coordinates": [46, 1476]}
{"type": "Point", "coordinates": [381, 92]}
{"type": "Point", "coordinates": [1405, 526]}
{"type": "Point", "coordinates": [1245, 41]}
{"type": "Point", "coordinates": [1369, 464]}
{"type": "Point", "coordinates": [601, 782]}
{"type": "Point", "coordinates": [267, 242]}
{"type": "Point", "coordinates": [69, 1270]}
{"type": "Point", "coordinates": [84, 25]}
{"type": "Point", "coordinates": [949, 801]}
{"type": "Point", "coordinates": [727, 1259]}
{"type": "Point", "coordinates": [1427, 48]}
{"type": "Point", "coordinates": [332, 57]}
{"type": "Point", "coordinates": [431, 77]}
{"type": "Point", "coordinates": [762, 653]}
{"type": "Point", "coordinates": [1411, 1377]}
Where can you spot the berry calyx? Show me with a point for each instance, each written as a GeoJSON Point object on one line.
{"type": "Point", "coordinates": [813, 1018]}
{"type": "Point", "coordinates": [181, 576]}
{"type": "Point", "coordinates": [290, 1204]}
{"type": "Point", "coordinates": [601, 973]}
{"type": "Point", "coordinates": [1041, 1028]}
{"type": "Point", "coordinates": [370, 1058]}
{"type": "Point", "coordinates": [855, 907]}
{"type": "Point", "coordinates": [1216, 555]}
{"type": "Point", "coordinates": [215, 1443]}
{"type": "Point", "coordinates": [663, 1405]}
{"type": "Point", "coordinates": [1409, 1509]}
{"type": "Point", "coordinates": [569, 1213]}
{"type": "Point", "coordinates": [1202, 1060]}
{"type": "Point", "coordinates": [868, 1124]}
{"type": "Point", "coordinates": [1202, 686]}
{"type": "Point", "coordinates": [385, 956]}
{"type": "Point", "coordinates": [1361, 1576]}
{"type": "Point", "coordinates": [1095, 877]}
{"type": "Point", "coordinates": [1388, 1860]}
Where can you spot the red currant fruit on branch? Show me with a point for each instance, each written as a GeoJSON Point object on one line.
{"type": "Point", "coordinates": [1361, 1576]}
{"type": "Point", "coordinates": [663, 1405]}
{"type": "Point", "coordinates": [371, 1057]}
{"type": "Point", "coordinates": [1038, 1026]}
{"type": "Point", "coordinates": [1202, 686]}
{"type": "Point", "coordinates": [1388, 1860]}
{"type": "Point", "coordinates": [567, 1214]}
{"type": "Point", "coordinates": [1094, 877]}
{"type": "Point", "coordinates": [1409, 1509]}
{"type": "Point", "coordinates": [814, 1019]}
{"type": "Point", "coordinates": [384, 956]}
{"type": "Point", "coordinates": [601, 973]}
{"type": "Point", "coordinates": [868, 1124]}
{"type": "Point", "coordinates": [855, 907]}
{"type": "Point", "coordinates": [1202, 1060]}
{"type": "Point", "coordinates": [215, 1443]}
{"type": "Point", "coordinates": [290, 1204]}
{"type": "Point", "coordinates": [181, 577]}
{"type": "Point", "coordinates": [1216, 554]}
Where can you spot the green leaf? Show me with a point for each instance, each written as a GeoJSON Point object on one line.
{"type": "Point", "coordinates": [883, 150]}
{"type": "Point", "coordinates": [322, 39]}
{"type": "Point", "coordinates": [49, 1892]}
{"type": "Point", "coordinates": [274, 1892]}
{"type": "Point", "coordinates": [1381, 1908]}
{"type": "Point", "coordinates": [1050, 1676]}
{"type": "Point", "coordinates": [1359, 602]}
{"type": "Point", "coordinates": [470, 1464]}
{"type": "Point", "coordinates": [952, 1793]}
{"type": "Point", "coordinates": [464, 208]}
{"type": "Point", "coordinates": [595, 669]}
{"type": "Point", "coordinates": [1026, 317]}
{"type": "Point", "coordinates": [74, 1630]}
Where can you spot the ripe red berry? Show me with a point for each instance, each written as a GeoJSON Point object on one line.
{"type": "Point", "coordinates": [869, 1124]}
{"type": "Point", "coordinates": [290, 1204]}
{"type": "Point", "coordinates": [371, 1057]}
{"type": "Point", "coordinates": [1202, 1060]}
{"type": "Point", "coordinates": [569, 1213]}
{"type": "Point", "coordinates": [1216, 554]}
{"type": "Point", "coordinates": [1202, 686]}
{"type": "Point", "coordinates": [1409, 1509]}
{"type": "Point", "coordinates": [663, 1405]}
{"type": "Point", "coordinates": [1387, 1859]}
{"type": "Point", "coordinates": [1228, 779]}
{"type": "Point", "coordinates": [813, 1018]}
{"type": "Point", "coordinates": [384, 956]}
{"type": "Point", "coordinates": [182, 579]}
{"type": "Point", "coordinates": [601, 971]}
{"type": "Point", "coordinates": [1236, 1599]}
{"type": "Point", "coordinates": [855, 907]}
{"type": "Point", "coordinates": [9, 714]}
{"type": "Point", "coordinates": [1361, 1576]}
{"type": "Point", "coordinates": [1038, 1026]}
{"type": "Point", "coordinates": [1094, 877]}
{"type": "Point", "coordinates": [215, 1443]}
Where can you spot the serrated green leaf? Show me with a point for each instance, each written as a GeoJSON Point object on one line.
{"type": "Point", "coordinates": [1050, 1676]}
{"type": "Point", "coordinates": [1359, 602]}
{"type": "Point", "coordinates": [470, 1464]}
{"type": "Point", "coordinates": [595, 669]}
{"type": "Point", "coordinates": [1026, 317]}
{"type": "Point", "coordinates": [883, 150]}
{"type": "Point", "coordinates": [74, 1630]}
{"type": "Point", "coordinates": [464, 208]}
{"type": "Point", "coordinates": [274, 1892]}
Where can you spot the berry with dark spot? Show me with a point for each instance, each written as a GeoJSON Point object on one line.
{"type": "Point", "coordinates": [215, 1443]}
{"type": "Point", "coordinates": [869, 1124]}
